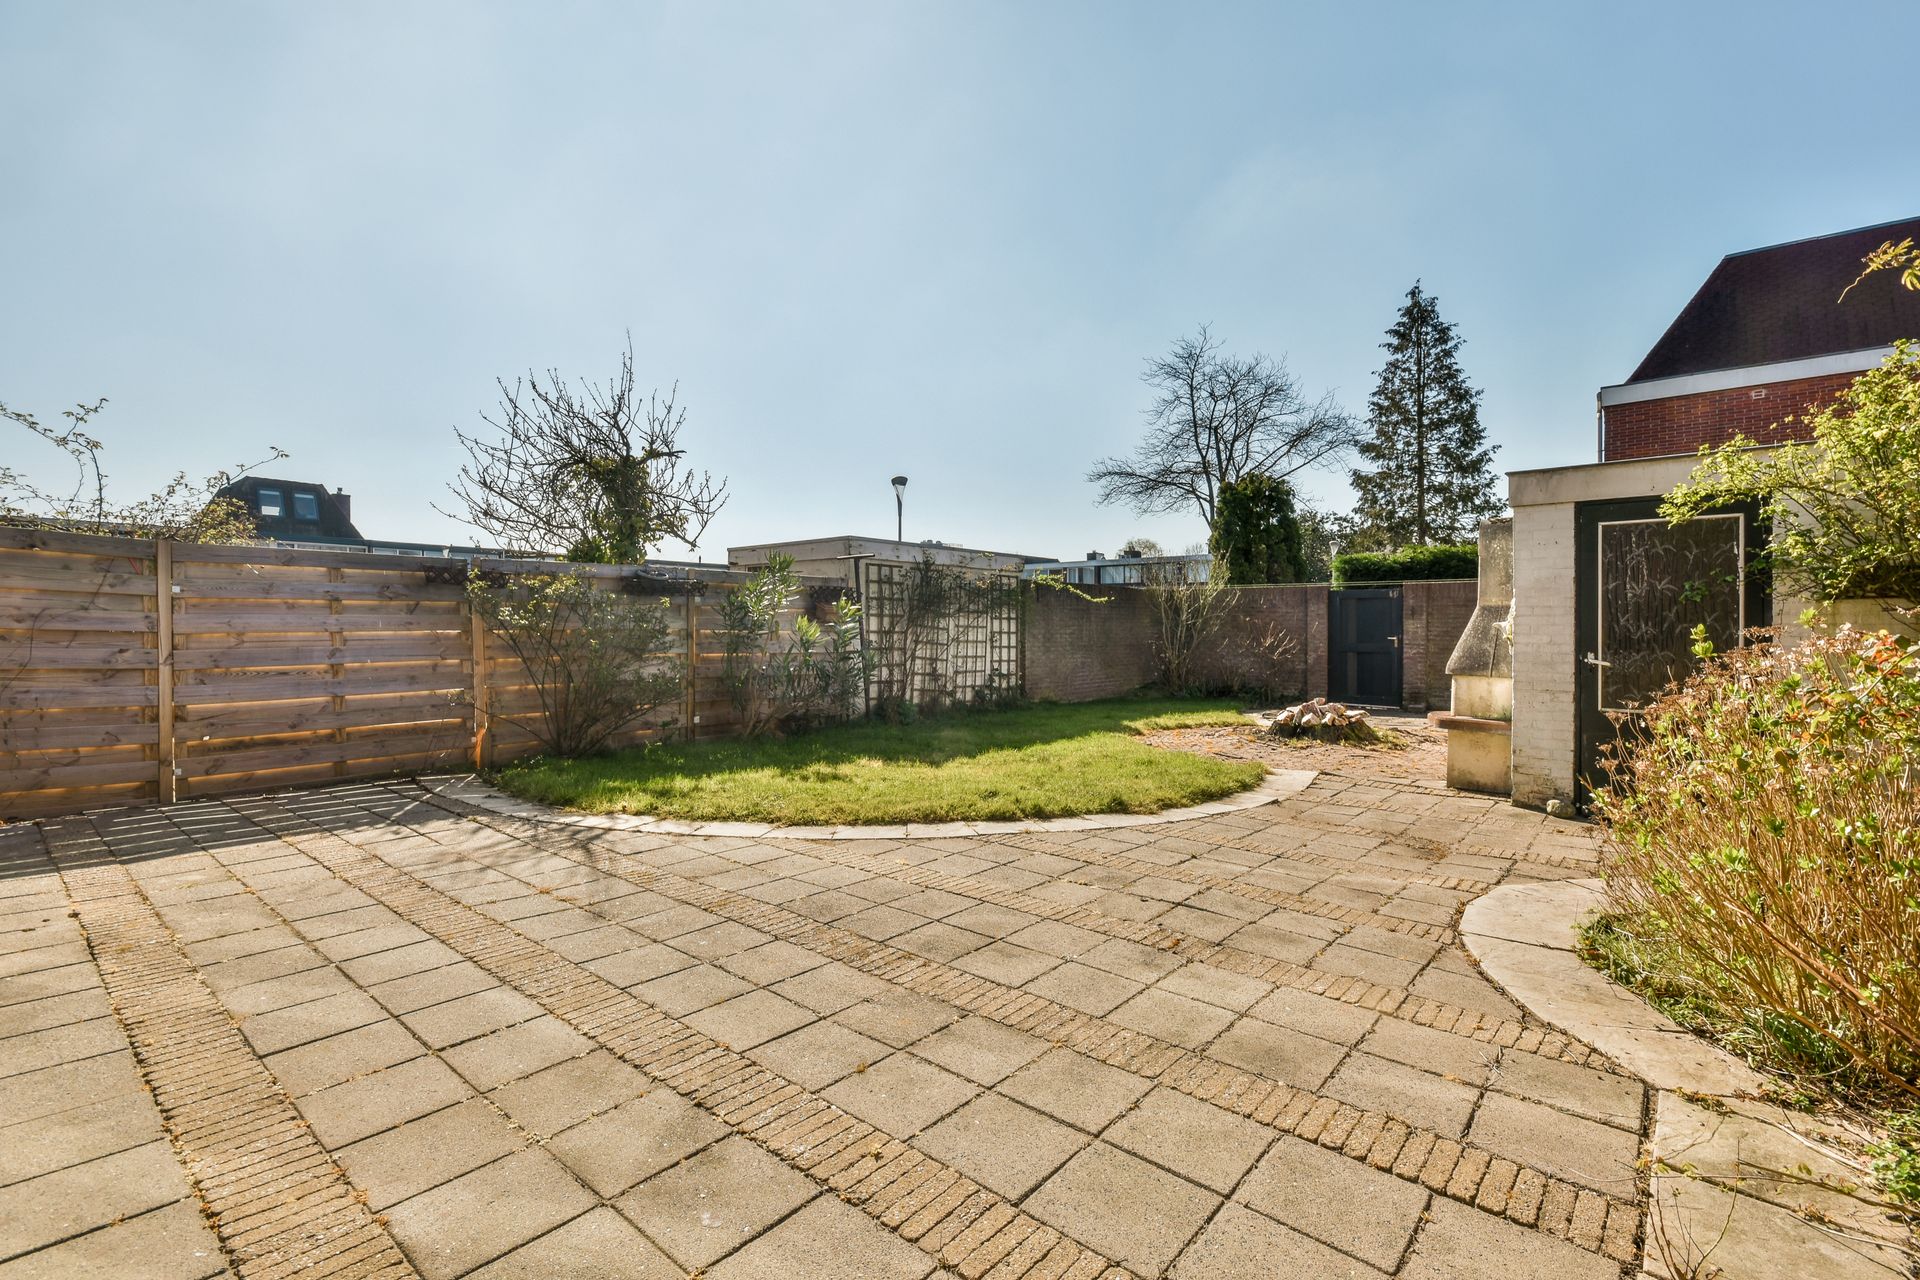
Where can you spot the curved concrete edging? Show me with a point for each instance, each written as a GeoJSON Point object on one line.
{"type": "Point", "coordinates": [1730, 1174]}
{"type": "Point", "coordinates": [1524, 935]}
{"type": "Point", "coordinates": [1278, 785]}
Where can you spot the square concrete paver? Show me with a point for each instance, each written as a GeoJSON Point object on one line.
{"type": "Point", "coordinates": [1131, 960]}
{"type": "Point", "coordinates": [1173, 1018]}
{"type": "Point", "coordinates": [470, 1016]}
{"type": "Point", "coordinates": [1597, 1095]}
{"type": "Point", "coordinates": [1336, 1200]}
{"type": "Point", "coordinates": [1002, 1145]}
{"type": "Point", "coordinates": [1126, 1208]}
{"type": "Point", "coordinates": [1278, 1053]}
{"type": "Point", "coordinates": [1240, 1244]}
{"type": "Point", "coordinates": [980, 1049]}
{"type": "Point", "coordinates": [351, 1111]}
{"type": "Point", "coordinates": [1007, 964]}
{"type": "Point", "coordinates": [1415, 1096]}
{"type": "Point", "coordinates": [1212, 985]}
{"type": "Point", "coordinates": [1333, 1020]}
{"type": "Point", "coordinates": [901, 1094]}
{"type": "Point", "coordinates": [568, 1092]}
{"type": "Point", "coordinates": [1579, 1150]}
{"type": "Point", "coordinates": [831, 988]}
{"type": "Point", "coordinates": [637, 1139]}
{"type": "Point", "coordinates": [940, 941]}
{"type": "Point", "coordinates": [598, 1245]}
{"type": "Point", "coordinates": [1460, 1241]}
{"type": "Point", "coordinates": [816, 1056]}
{"type": "Point", "coordinates": [1075, 1088]}
{"type": "Point", "coordinates": [1456, 1057]}
{"type": "Point", "coordinates": [704, 1209]}
{"type": "Point", "coordinates": [751, 1019]}
{"type": "Point", "coordinates": [692, 989]}
{"type": "Point", "coordinates": [1083, 987]}
{"type": "Point", "coordinates": [418, 1156]}
{"type": "Point", "coordinates": [482, 1215]}
{"type": "Point", "coordinates": [771, 962]}
{"type": "Point", "coordinates": [897, 1017]}
{"type": "Point", "coordinates": [1211, 1146]}
{"type": "Point", "coordinates": [315, 1020]}
{"type": "Point", "coordinates": [504, 1056]}
{"type": "Point", "coordinates": [826, 1241]}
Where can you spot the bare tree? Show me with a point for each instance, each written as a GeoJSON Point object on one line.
{"type": "Point", "coordinates": [1214, 419]}
{"type": "Point", "coordinates": [188, 509]}
{"type": "Point", "coordinates": [1188, 607]}
{"type": "Point", "coordinates": [594, 474]}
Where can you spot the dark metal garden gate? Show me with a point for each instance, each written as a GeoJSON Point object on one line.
{"type": "Point", "coordinates": [1363, 645]}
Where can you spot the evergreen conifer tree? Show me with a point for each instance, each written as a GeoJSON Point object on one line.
{"type": "Point", "coordinates": [1431, 476]}
{"type": "Point", "coordinates": [1256, 535]}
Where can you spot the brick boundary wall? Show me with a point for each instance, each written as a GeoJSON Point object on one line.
{"type": "Point", "coordinates": [1681, 424]}
{"type": "Point", "coordinates": [1433, 617]}
{"type": "Point", "coordinates": [1297, 610]}
{"type": "Point", "coordinates": [1077, 650]}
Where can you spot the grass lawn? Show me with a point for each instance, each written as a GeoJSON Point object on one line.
{"type": "Point", "coordinates": [1045, 761]}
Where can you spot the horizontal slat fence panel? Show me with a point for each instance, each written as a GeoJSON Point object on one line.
{"type": "Point", "coordinates": [79, 672]}
{"type": "Point", "coordinates": [132, 672]}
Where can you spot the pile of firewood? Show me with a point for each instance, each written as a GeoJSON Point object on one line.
{"type": "Point", "coordinates": [1323, 720]}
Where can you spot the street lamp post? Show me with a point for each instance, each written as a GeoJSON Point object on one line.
{"type": "Point", "coordinates": [899, 508]}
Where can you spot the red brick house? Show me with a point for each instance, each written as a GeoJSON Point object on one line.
{"type": "Point", "coordinates": [1763, 338]}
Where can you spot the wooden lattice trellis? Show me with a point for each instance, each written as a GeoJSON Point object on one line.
{"type": "Point", "coordinates": [940, 634]}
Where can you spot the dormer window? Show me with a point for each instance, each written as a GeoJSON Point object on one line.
{"type": "Point", "coordinates": [270, 504]}
{"type": "Point", "coordinates": [306, 507]}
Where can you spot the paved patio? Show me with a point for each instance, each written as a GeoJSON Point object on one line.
{"type": "Point", "coordinates": [376, 1031]}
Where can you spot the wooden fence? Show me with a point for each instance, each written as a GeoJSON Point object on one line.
{"type": "Point", "coordinates": [134, 671]}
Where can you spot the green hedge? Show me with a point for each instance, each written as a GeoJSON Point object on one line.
{"type": "Point", "coordinates": [1414, 564]}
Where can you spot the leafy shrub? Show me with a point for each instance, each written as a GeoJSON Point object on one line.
{"type": "Point", "coordinates": [1764, 849]}
{"type": "Point", "coordinates": [1845, 509]}
{"type": "Point", "coordinates": [1413, 564]}
{"type": "Point", "coordinates": [592, 656]}
{"type": "Point", "coordinates": [818, 675]}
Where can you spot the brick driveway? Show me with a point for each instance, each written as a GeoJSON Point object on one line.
{"type": "Point", "coordinates": [374, 1031]}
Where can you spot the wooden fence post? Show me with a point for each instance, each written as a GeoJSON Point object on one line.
{"type": "Point", "coordinates": [693, 661]}
{"type": "Point", "coordinates": [163, 614]}
{"type": "Point", "coordinates": [482, 721]}
{"type": "Point", "coordinates": [337, 671]}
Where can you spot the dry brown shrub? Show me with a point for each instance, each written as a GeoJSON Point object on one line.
{"type": "Point", "coordinates": [1764, 840]}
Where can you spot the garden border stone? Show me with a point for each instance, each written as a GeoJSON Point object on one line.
{"type": "Point", "coordinates": [1277, 785]}
{"type": "Point", "coordinates": [1715, 1206]}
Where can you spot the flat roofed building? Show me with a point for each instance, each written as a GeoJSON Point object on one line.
{"type": "Point", "coordinates": [841, 557]}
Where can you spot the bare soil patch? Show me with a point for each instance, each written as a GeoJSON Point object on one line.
{"type": "Point", "coordinates": [1422, 759]}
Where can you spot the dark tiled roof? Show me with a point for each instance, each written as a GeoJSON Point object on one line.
{"type": "Point", "coordinates": [1780, 303]}
{"type": "Point", "coordinates": [331, 521]}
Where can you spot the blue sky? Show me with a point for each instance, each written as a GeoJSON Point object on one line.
{"type": "Point", "coordinates": [936, 239]}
